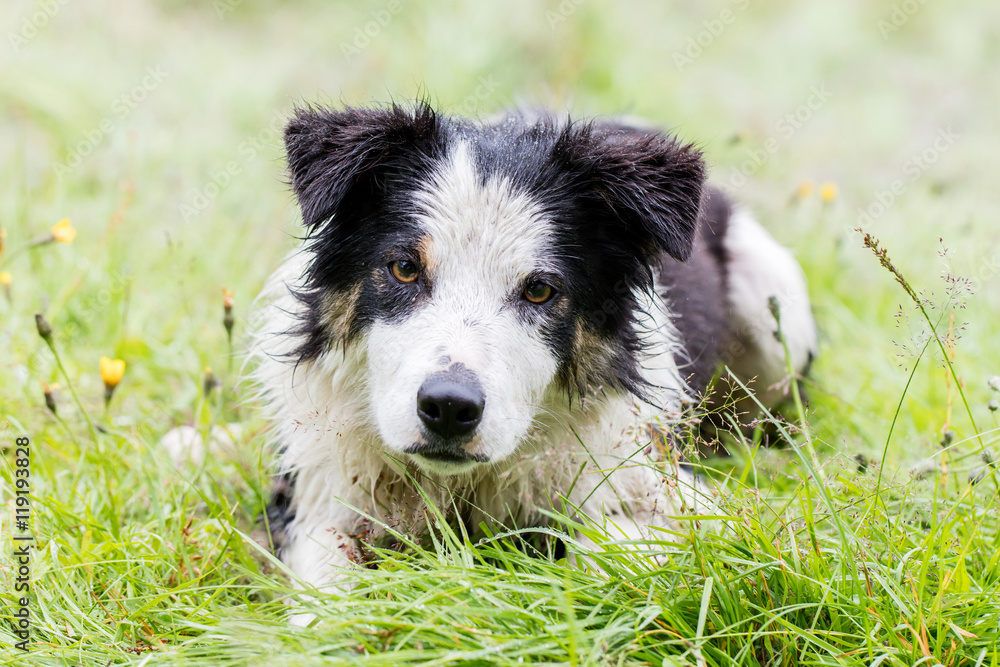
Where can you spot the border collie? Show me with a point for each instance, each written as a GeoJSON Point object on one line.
{"type": "Point", "coordinates": [510, 314]}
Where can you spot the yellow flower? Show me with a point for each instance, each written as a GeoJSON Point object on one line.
{"type": "Point", "coordinates": [5, 278]}
{"type": "Point", "coordinates": [804, 190]}
{"type": "Point", "coordinates": [112, 371]}
{"type": "Point", "coordinates": [63, 231]}
{"type": "Point", "coordinates": [828, 192]}
{"type": "Point", "coordinates": [227, 298]}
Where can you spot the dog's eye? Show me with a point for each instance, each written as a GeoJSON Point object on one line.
{"type": "Point", "coordinates": [538, 292]}
{"type": "Point", "coordinates": [404, 271]}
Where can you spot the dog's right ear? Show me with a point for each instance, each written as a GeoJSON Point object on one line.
{"type": "Point", "coordinates": [335, 155]}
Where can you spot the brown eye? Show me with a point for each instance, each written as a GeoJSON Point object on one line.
{"type": "Point", "coordinates": [538, 292]}
{"type": "Point", "coordinates": [404, 271]}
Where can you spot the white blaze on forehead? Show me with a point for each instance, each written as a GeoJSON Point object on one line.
{"type": "Point", "coordinates": [481, 236]}
{"type": "Point", "coordinates": [481, 240]}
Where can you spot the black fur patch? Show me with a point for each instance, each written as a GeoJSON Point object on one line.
{"type": "Point", "coordinates": [696, 292]}
{"type": "Point", "coordinates": [353, 172]}
{"type": "Point", "coordinates": [280, 511]}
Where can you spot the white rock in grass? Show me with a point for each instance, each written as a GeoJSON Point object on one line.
{"type": "Point", "coordinates": [186, 445]}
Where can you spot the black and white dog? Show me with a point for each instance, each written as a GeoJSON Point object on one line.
{"type": "Point", "coordinates": [512, 311]}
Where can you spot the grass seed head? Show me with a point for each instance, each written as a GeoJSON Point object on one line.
{"type": "Point", "coordinates": [49, 390]}
{"type": "Point", "coordinates": [227, 318]}
{"type": "Point", "coordinates": [210, 382]}
{"type": "Point", "coordinates": [44, 328]}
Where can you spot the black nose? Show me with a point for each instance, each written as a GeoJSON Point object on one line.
{"type": "Point", "coordinates": [450, 408]}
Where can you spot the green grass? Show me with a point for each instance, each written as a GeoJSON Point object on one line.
{"type": "Point", "coordinates": [884, 554]}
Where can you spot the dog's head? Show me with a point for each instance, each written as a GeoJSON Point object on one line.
{"type": "Point", "coordinates": [480, 266]}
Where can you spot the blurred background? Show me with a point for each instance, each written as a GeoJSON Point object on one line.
{"type": "Point", "coordinates": [156, 129]}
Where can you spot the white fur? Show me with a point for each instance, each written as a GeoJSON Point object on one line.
{"type": "Point", "coordinates": [759, 268]}
{"type": "Point", "coordinates": [185, 444]}
{"type": "Point", "coordinates": [482, 244]}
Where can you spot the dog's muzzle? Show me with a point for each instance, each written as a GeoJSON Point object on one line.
{"type": "Point", "coordinates": [450, 405]}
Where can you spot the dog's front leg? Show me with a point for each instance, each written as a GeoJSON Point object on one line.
{"type": "Point", "coordinates": [319, 555]}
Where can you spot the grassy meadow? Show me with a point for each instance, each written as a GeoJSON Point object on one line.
{"type": "Point", "coordinates": [155, 128]}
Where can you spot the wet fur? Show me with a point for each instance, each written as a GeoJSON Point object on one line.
{"type": "Point", "coordinates": [618, 217]}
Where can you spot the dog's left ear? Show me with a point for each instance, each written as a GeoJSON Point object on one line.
{"type": "Point", "coordinates": [651, 183]}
